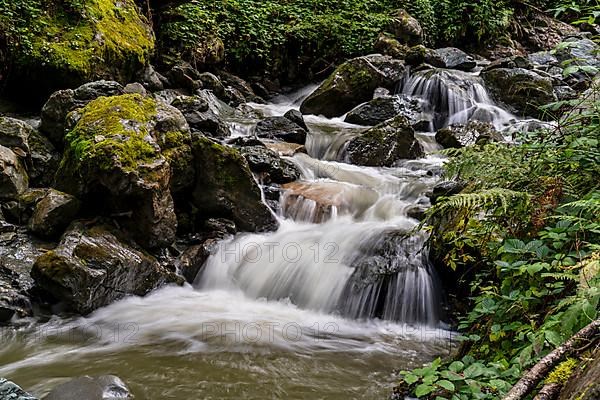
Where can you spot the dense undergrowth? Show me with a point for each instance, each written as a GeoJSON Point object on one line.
{"type": "Point", "coordinates": [527, 230]}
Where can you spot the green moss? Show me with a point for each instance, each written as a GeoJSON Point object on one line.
{"type": "Point", "coordinates": [52, 265]}
{"type": "Point", "coordinates": [112, 131]}
{"type": "Point", "coordinates": [83, 39]}
{"type": "Point", "coordinates": [562, 372]}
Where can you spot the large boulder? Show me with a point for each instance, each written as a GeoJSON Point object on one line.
{"type": "Point", "coordinates": [520, 90]}
{"type": "Point", "coordinates": [384, 144]}
{"type": "Point", "coordinates": [13, 177]}
{"type": "Point", "coordinates": [382, 108]}
{"type": "Point", "coordinates": [281, 128]}
{"type": "Point", "coordinates": [474, 132]}
{"type": "Point", "coordinates": [106, 387]}
{"type": "Point", "coordinates": [53, 213]}
{"type": "Point", "coordinates": [70, 45]}
{"type": "Point", "coordinates": [405, 28]}
{"type": "Point", "coordinates": [119, 156]}
{"type": "Point", "coordinates": [353, 83]}
{"type": "Point", "coordinates": [93, 266]}
{"type": "Point", "coordinates": [62, 102]}
{"type": "Point", "coordinates": [226, 188]}
{"type": "Point", "coordinates": [15, 133]}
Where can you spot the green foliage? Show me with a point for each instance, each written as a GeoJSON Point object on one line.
{"type": "Point", "coordinates": [577, 12]}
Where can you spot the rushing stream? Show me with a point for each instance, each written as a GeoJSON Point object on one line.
{"type": "Point", "coordinates": [326, 307]}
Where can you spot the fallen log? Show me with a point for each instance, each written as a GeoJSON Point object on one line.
{"type": "Point", "coordinates": [532, 377]}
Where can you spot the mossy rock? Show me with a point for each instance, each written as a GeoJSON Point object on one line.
{"type": "Point", "coordinates": [385, 144]}
{"type": "Point", "coordinates": [353, 83]}
{"type": "Point", "coordinates": [120, 155]}
{"type": "Point", "coordinates": [57, 44]}
{"type": "Point", "coordinates": [93, 266]}
{"type": "Point", "coordinates": [226, 188]}
{"type": "Point", "coordinates": [520, 90]}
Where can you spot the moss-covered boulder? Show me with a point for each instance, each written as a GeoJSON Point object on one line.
{"type": "Point", "coordinates": [226, 188]}
{"type": "Point", "coordinates": [353, 83]}
{"type": "Point", "coordinates": [93, 266]}
{"type": "Point", "coordinates": [384, 144]}
{"type": "Point", "coordinates": [520, 90]}
{"type": "Point", "coordinates": [120, 153]}
{"type": "Point", "coordinates": [64, 43]}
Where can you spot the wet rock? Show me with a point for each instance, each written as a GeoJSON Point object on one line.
{"type": "Point", "coordinates": [21, 209]}
{"type": "Point", "coordinates": [353, 83]}
{"type": "Point", "coordinates": [212, 83]}
{"type": "Point", "coordinates": [451, 58]}
{"type": "Point", "coordinates": [184, 76]}
{"type": "Point", "coordinates": [106, 387]}
{"type": "Point", "coordinates": [270, 167]}
{"type": "Point", "coordinates": [53, 213]}
{"type": "Point", "coordinates": [405, 28]}
{"type": "Point", "coordinates": [239, 85]}
{"type": "Point", "coordinates": [519, 90]}
{"type": "Point", "coordinates": [11, 391]}
{"type": "Point", "coordinates": [94, 266]}
{"type": "Point", "coordinates": [226, 188]}
{"type": "Point", "coordinates": [15, 133]}
{"type": "Point", "coordinates": [474, 132]}
{"type": "Point", "coordinates": [44, 160]}
{"type": "Point", "coordinates": [117, 161]}
{"type": "Point", "coordinates": [201, 117]}
{"type": "Point", "coordinates": [445, 189]}
{"type": "Point", "coordinates": [62, 102]}
{"type": "Point", "coordinates": [296, 117]}
{"type": "Point", "coordinates": [542, 58]}
{"type": "Point", "coordinates": [385, 144]}
{"type": "Point", "coordinates": [374, 112]}
{"type": "Point", "coordinates": [18, 251]}
{"type": "Point", "coordinates": [13, 178]}
{"type": "Point", "coordinates": [516, 61]}
{"type": "Point", "coordinates": [280, 128]}
{"type": "Point", "coordinates": [285, 149]}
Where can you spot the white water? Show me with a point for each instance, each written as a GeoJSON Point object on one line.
{"type": "Point", "coordinates": [342, 289]}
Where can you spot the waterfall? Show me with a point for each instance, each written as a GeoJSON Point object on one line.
{"type": "Point", "coordinates": [456, 97]}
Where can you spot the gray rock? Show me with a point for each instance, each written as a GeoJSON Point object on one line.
{"type": "Point", "coordinates": [280, 128]}
{"type": "Point", "coordinates": [270, 167]}
{"type": "Point", "coordinates": [374, 112]}
{"type": "Point", "coordinates": [542, 58]}
{"type": "Point", "coordinates": [11, 391]}
{"type": "Point", "coordinates": [213, 83]}
{"type": "Point", "coordinates": [451, 58]}
{"type": "Point", "coordinates": [385, 144]}
{"type": "Point", "coordinates": [200, 117]}
{"type": "Point", "coordinates": [93, 266]}
{"type": "Point", "coordinates": [93, 90]}
{"type": "Point", "coordinates": [474, 132]}
{"type": "Point", "coordinates": [106, 387]}
{"type": "Point", "coordinates": [152, 80]}
{"type": "Point", "coordinates": [13, 178]}
{"type": "Point", "coordinates": [15, 133]}
{"type": "Point", "coordinates": [579, 51]}
{"type": "Point", "coordinates": [53, 213]}
{"type": "Point", "coordinates": [296, 117]}
{"type": "Point", "coordinates": [445, 189]}
{"type": "Point", "coordinates": [44, 160]}
{"type": "Point", "coordinates": [184, 76]}
{"type": "Point", "coordinates": [135, 88]}
{"type": "Point", "coordinates": [353, 83]}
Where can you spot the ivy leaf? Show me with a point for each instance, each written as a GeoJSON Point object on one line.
{"type": "Point", "coordinates": [456, 366]}
{"type": "Point", "coordinates": [410, 378]}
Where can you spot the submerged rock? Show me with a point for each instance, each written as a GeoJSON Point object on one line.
{"type": "Point", "coordinates": [474, 132]}
{"type": "Point", "coordinates": [113, 163]}
{"type": "Point", "coordinates": [384, 144]}
{"type": "Point", "coordinates": [281, 128]}
{"type": "Point", "coordinates": [94, 266]}
{"type": "Point", "coordinates": [106, 387]}
{"type": "Point", "coordinates": [520, 90]}
{"type": "Point", "coordinates": [353, 83]}
{"type": "Point", "coordinates": [226, 188]}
